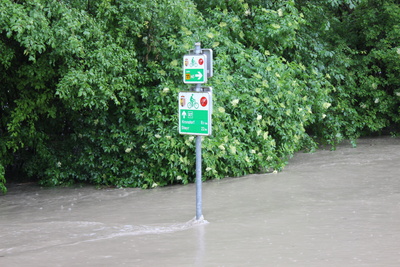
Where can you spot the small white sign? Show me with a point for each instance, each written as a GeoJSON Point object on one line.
{"type": "Point", "coordinates": [195, 69]}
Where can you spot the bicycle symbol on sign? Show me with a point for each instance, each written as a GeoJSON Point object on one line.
{"type": "Point", "coordinates": [193, 63]}
{"type": "Point", "coordinates": [192, 103]}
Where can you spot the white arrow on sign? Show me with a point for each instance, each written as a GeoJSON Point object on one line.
{"type": "Point", "coordinates": [199, 75]}
{"type": "Point", "coordinates": [184, 114]}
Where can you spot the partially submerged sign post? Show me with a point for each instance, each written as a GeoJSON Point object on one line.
{"type": "Point", "coordinates": [195, 107]}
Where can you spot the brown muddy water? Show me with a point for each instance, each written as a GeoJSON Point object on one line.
{"type": "Point", "coordinates": [328, 208]}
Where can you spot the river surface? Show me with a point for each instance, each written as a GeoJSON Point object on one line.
{"type": "Point", "coordinates": [328, 208]}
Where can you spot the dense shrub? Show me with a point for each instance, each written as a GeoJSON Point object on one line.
{"type": "Point", "coordinates": [89, 91]}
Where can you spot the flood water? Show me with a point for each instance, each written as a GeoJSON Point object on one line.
{"type": "Point", "coordinates": [328, 208]}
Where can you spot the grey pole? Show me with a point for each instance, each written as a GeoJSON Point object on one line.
{"type": "Point", "coordinates": [199, 214]}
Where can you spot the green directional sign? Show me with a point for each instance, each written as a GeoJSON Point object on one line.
{"type": "Point", "coordinates": [194, 75]}
{"type": "Point", "coordinates": [195, 69]}
{"type": "Point", "coordinates": [195, 110]}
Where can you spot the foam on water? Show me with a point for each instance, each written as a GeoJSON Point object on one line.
{"type": "Point", "coordinates": [132, 230]}
{"type": "Point", "coordinates": [66, 233]}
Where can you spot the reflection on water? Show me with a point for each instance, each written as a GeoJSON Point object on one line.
{"type": "Point", "coordinates": [200, 249]}
{"type": "Point", "coordinates": [339, 208]}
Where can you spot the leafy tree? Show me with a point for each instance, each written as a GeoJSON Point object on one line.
{"type": "Point", "coordinates": [89, 89]}
{"type": "Point", "coordinates": [57, 65]}
{"type": "Point", "coordinates": [355, 44]}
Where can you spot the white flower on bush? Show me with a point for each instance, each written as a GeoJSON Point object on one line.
{"type": "Point", "coordinates": [280, 13]}
{"type": "Point", "coordinates": [221, 147]}
{"type": "Point", "coordinates": [253, 151]}
{"type": "Point", "coordinates": [265, 135]}
{"type": "Point", "coordinates": [398, 93]}
{"type": "Point", "coordinates": [210, 35]}
{"type": "Point", "coordinates": [376, 100]}
{"type": "Point", "coordinates": [398, 50]}
{"type": "Point", "coordinates": [275, 26]}
{"type": "Point", "coordinates": [179, 178]}
{"type": "Point", "coordinates": [235, 102]}
{"type": "Point", "coordinates": [129, 149]}
{"type": "Point", "coordinates": [191, 138]}
{"type": "Point", "coordinates": [208, 169]}
{"type": "Point", "coordinates": [221, 110]}
{"type": "Point", "coordinates": [154, 185]}
{"type": "Point", "coordinates": [59, 164]}
{"type": "Point", "coordinates": [232, 149]}
{"type": "Point", "coordinates": [257, 76]}
{"type": "Point", "coordinates": [326, 105]}
{"type": "Point", "coordinates": [157, 136]}
{"type": "Point", "coordinates": [166, 90]}
{"type": "Point", "coordinates": [259, 117]}
{"type": "Point", "coordinates": [362, 105]}
{"type": "Point", "coordinates": [323, 116]}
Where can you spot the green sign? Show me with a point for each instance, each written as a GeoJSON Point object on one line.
{"type": "Point", "coordinates": [195, 69]}
{"type": "Point", "coordinates": [195, 110]}
{"type": "Point", "coordinates": [194, 75]}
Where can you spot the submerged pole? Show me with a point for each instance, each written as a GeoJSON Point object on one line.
{"type": "Point", "coordinates": [199, 214]}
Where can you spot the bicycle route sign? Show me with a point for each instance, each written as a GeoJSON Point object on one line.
{"type": "Point", "coordinates": [195, 110]}
{"type": "Point", "coordinates": [195, 68]}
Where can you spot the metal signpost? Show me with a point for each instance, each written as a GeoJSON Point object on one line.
{"type": "Point", "coordinates": [195, 107]}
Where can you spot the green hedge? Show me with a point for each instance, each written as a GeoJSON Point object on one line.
{"type": "Point", "coordinates": [89, 92]}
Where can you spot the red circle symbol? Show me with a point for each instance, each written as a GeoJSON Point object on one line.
{"type": "Point", "coordinates": [201, 61]}
{"type": "Point", "coordinates": [203, 101]}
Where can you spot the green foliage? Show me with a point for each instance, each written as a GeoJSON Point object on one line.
{"type": "Point", "coordinates": [2, 179]}
{"type": "Point", "coordinates": [356, 45]}
{"type": "Point", "coordinates": [88, 90]}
